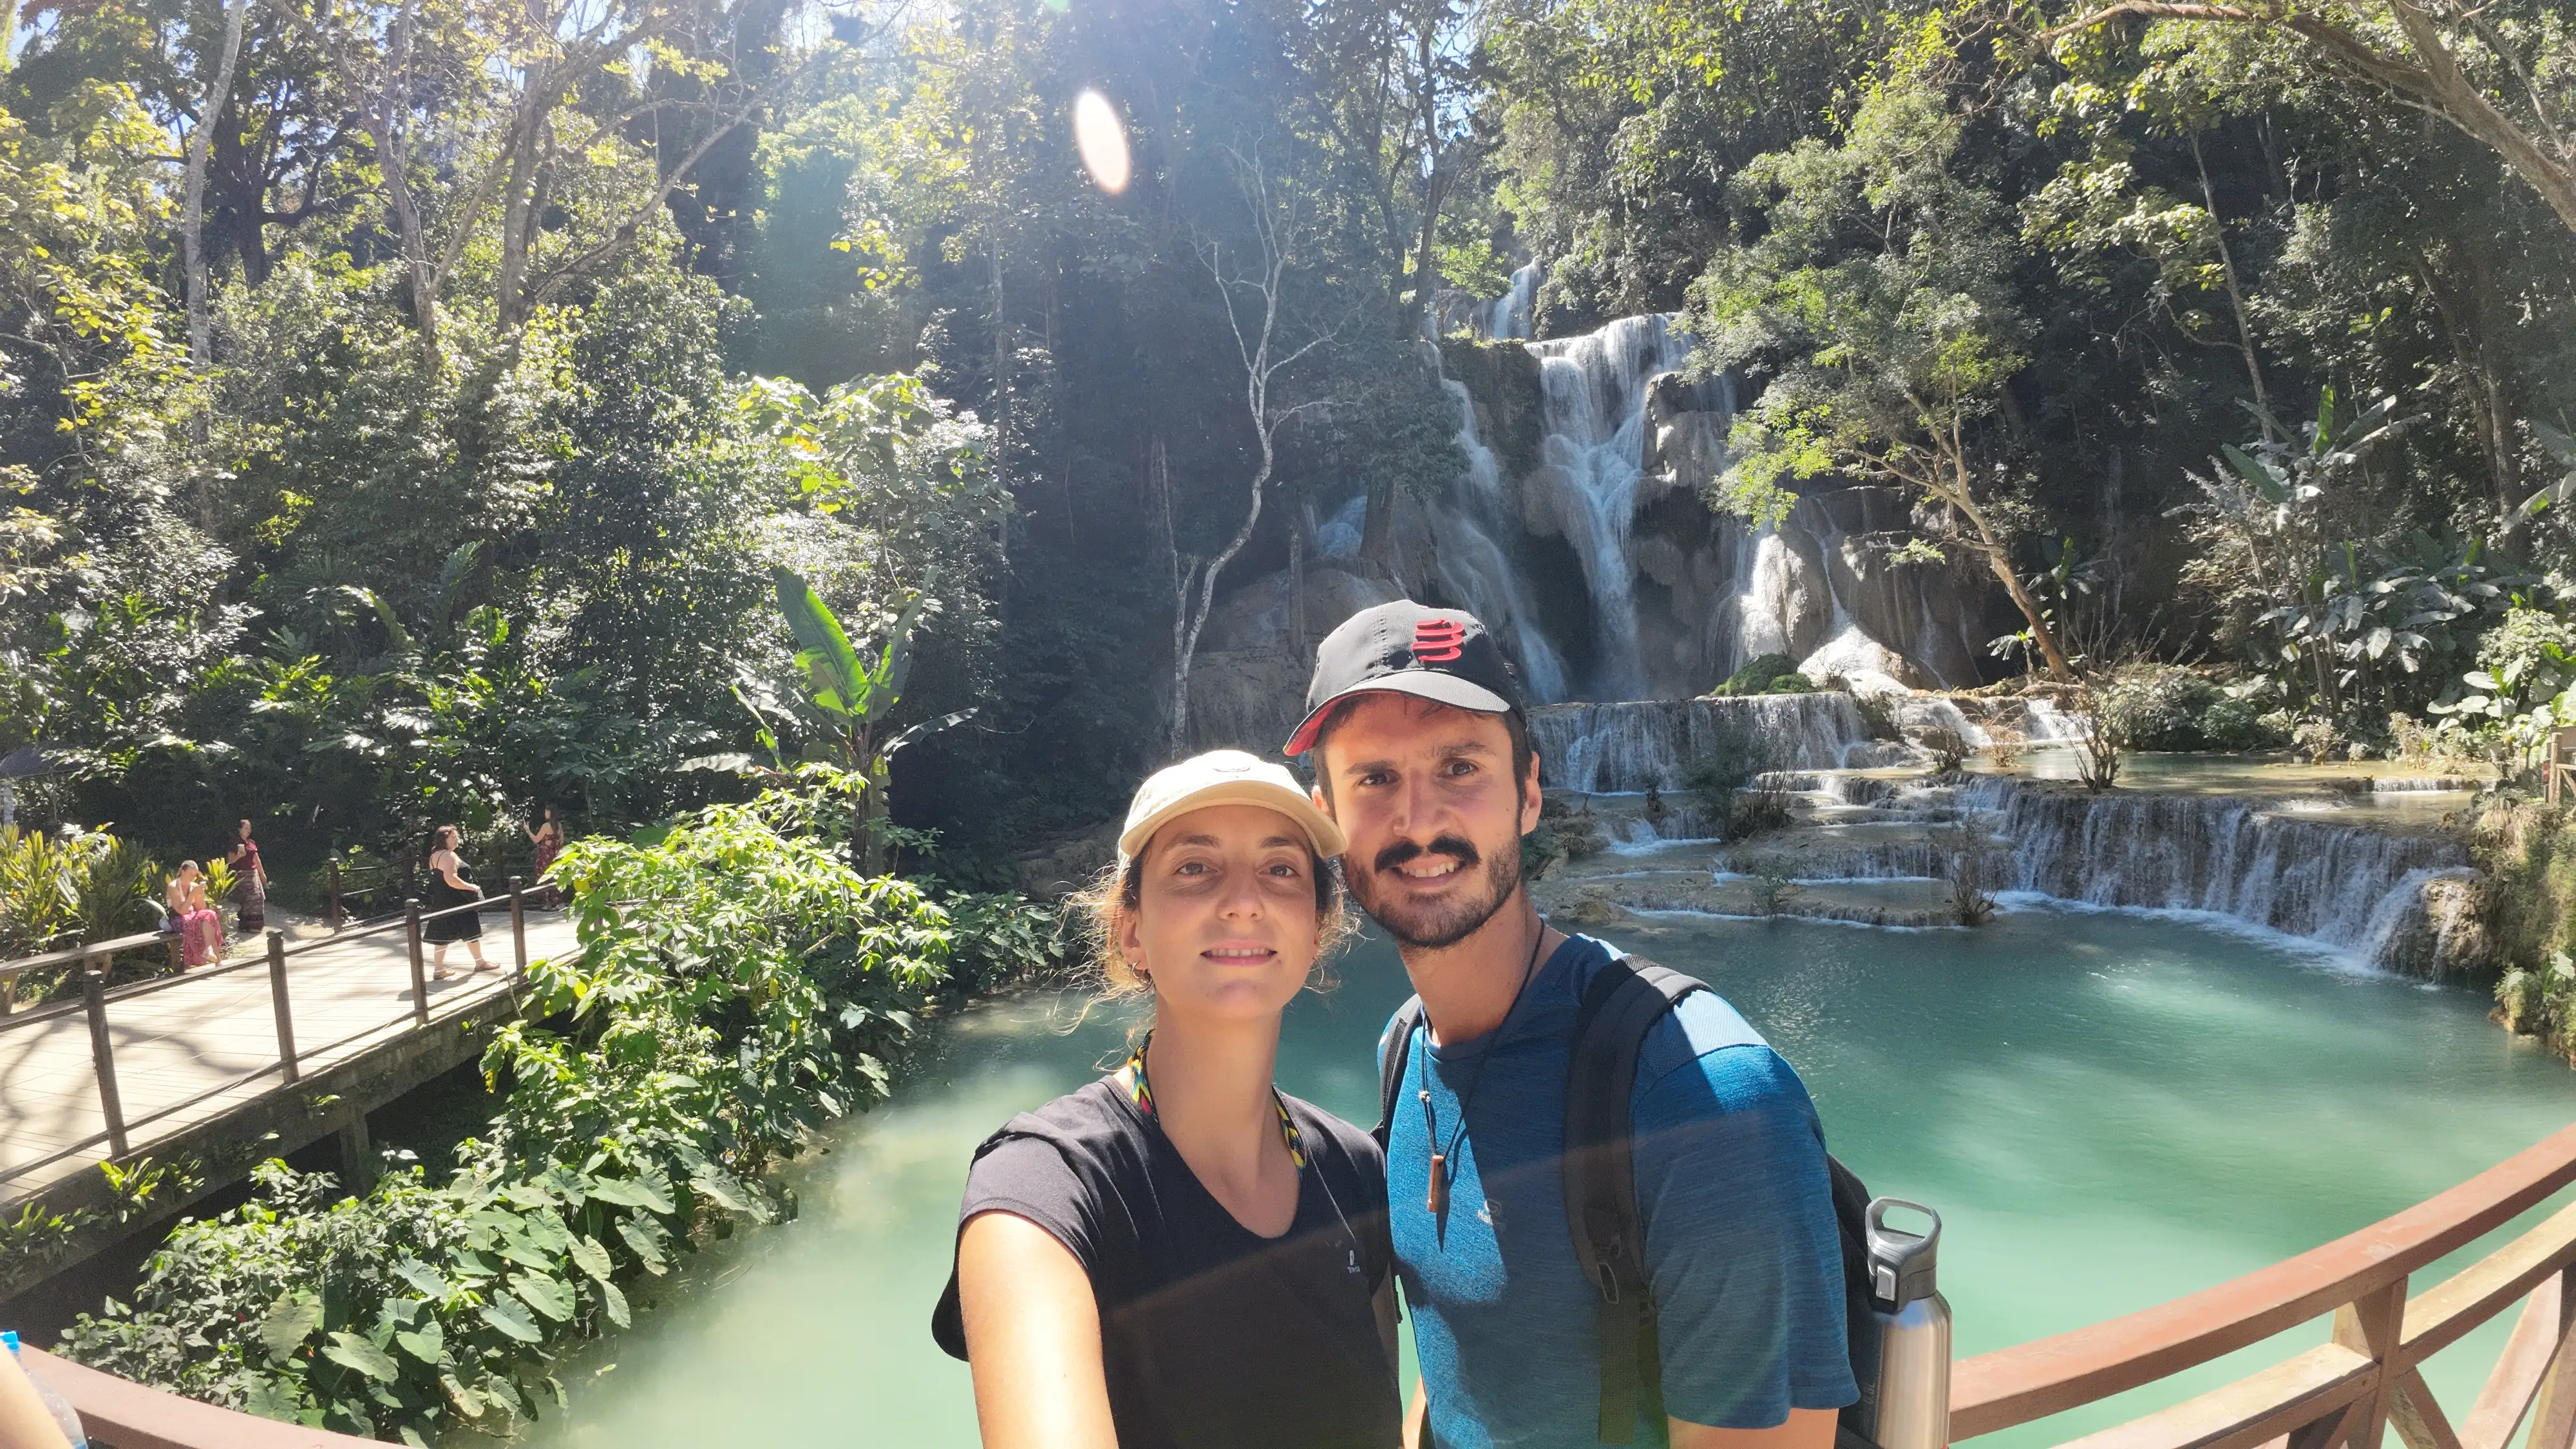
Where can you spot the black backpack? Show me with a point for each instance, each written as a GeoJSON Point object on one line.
{"type": "Point", "coordinates": [1623, 1001]}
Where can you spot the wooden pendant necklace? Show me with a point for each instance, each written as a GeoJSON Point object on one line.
{"type": "Point", "coordinates": [1442, 1158]}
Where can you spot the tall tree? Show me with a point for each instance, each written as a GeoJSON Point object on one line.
{"type": "Point", "coordinates": [1879, 305]}
{"type": "Point", "coordinates": [2500, 72]}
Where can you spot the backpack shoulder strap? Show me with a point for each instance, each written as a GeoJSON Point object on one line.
{"type": "Point", "coordinates": [1622, 1002]}
{"type": "Point", "coordinates": [1390, 1066]}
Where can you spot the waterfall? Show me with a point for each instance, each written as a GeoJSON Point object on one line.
{"type": "Point", "coordinates": [2345, 885]}
{"type": "Point", "coordinates": [1593, 391]}
{"type": "Point", "coordinates": [1474, 567]}
{"type": "Point", "coordinates": [1509, 316]}
{"type": "Point", "coordinates": [1634, 745]}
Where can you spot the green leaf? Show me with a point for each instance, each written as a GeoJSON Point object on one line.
{"type": "Point", "coordinates": [291, 1320]}
{"type": "Point", "coordinates": [545, 1293]}
{"type": "Point", "coordinates": [725, 1192]}
{"type": "Point", "coordinates": [505, 1313]}
{"type": "Point", "coordinates": [2259, 475]}
{"type": "Point", "coordinates": [273, 1399]}
{"type": "Point", "coordinates": [351, 1351]}
{"type": "Point", "coordinates": [467, 1402]}
{"type": "Point", "coordinates": [428, 1343]}
{"type": "Point", "coordinates": [424, 1279]}
{"type": "Point", "coordinates": [527, 1254]}
{"type": "Point", "coordinates": [614, 1301]}
{"type": "Point", "coordinates": [645, 1245]}
{"type": "Point", "coordinates": [832, 668]}
{"type": "Point", "coordinates": [592, 1258]}
{"type": "Point", "coordinates": [630, 1192]}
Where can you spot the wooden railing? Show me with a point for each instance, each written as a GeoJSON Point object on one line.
{"type": "Point", "coordinates": [95, 999]}
{"type": "Point", "coordinates": [2346, 1392]}
{"type": "Point", "coordinates": [2558, 763]}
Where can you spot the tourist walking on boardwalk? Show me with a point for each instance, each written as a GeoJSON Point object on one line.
{"type": "Point", "coordinates": [1203, 1261]}
{"type": "Point", "coordinates": [250, 881]}
{"type": "Point", "coordinates": [200, 930]}
{"type": "Point", "coordinates": [450, 885]}
{"type": "Point", "coordinates": [548, 838]}
{"type": "Point", "coordinates": [1729, 1326]}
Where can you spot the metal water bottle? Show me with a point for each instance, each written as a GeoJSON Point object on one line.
{"type": "Point", "coordinates": [1908, 1397]}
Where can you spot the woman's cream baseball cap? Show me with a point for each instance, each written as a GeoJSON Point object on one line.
{"type": "Point", "coordinates": [1223, 777]}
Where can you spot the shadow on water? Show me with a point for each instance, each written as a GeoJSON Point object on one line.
{"type": "Point", "coordinates": [2108, 1109]}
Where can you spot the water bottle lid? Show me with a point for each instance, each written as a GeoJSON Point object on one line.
{"type": "Point", "coordinates": [1901, 1264]}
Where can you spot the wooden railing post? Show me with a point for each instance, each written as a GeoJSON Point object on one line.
{"type": "Point", "coordinates": [2553, 1413]}
{"type": "Point", "coordinates": [102, 1052]}
{"type": "Point", "coordinates": [337, 915]}
{"type": "Point", "coordinates": [519, 923]}
{"type": "Point", "coordinates": [2370, 1326]}
{"type": "Point", "coordinates": [277, 1001]}
{"type": "Point", "coordinates": [419, 976]}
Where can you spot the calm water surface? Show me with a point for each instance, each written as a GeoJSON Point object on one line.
{"type": "Point", "coordinates": [2108, 1109]}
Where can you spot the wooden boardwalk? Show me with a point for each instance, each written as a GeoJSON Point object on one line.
{"type": "Point", "coordinates": [189, 1051]}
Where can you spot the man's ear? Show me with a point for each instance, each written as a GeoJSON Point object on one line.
{"type": "Point", "coordinates": [1322, 801]}
{"type": "Point", "coordinates": [1532, 801]}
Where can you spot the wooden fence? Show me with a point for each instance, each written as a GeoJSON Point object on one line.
{"type": "Point", "coordinates": [95, 998]}
{"type": "Point", "coordinates": [2346, 1392]}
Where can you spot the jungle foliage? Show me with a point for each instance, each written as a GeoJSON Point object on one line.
{"type": "Point", "coordinates": [738, 985]}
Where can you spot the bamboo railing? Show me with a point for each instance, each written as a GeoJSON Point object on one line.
{"type": "Point", "coordinates": [2346, 1392]}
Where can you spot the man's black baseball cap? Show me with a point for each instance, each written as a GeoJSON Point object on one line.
{"type": "Point", "coordinates": [1443, 655]}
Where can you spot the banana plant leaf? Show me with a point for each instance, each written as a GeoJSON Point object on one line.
{"type": "Point", "coordinates": [839, 682]}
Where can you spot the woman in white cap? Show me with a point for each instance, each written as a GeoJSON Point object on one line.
{"type": "Point", "coordinates": [1179, 1254]}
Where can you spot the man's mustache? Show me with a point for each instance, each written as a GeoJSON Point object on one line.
{"type": "Point", "coordinates": [1450, 845]}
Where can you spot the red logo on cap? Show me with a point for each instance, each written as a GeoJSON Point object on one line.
{"type": "Point", "coordinates": [1438, 641]}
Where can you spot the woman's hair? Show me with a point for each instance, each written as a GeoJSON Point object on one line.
{"type": "Point", "coordinates": [446, 833]}
{"type": "Point", "coordinates": [1115, 895]}
{"type": "Point", "coordinates": [187, 866]}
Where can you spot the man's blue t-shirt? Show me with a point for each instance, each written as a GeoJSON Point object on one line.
{"type": "Point", "coordinates": [1741, 1247]}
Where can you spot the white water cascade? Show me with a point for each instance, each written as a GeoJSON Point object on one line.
{"type": "Point", "coordinates": [1591, 461]}
{"type": "Point", "coordinates": [1633, 745]}
{"type": "Point", "coordinates": [1475, 569]}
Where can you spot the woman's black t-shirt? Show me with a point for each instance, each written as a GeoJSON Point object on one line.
{"type": "Point", "coordinates": [1210, 1334]}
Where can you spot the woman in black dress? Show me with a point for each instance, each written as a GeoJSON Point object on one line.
{"type": "Point", "coordinates": [1202, 1260]}
{"type": "Point", "coordinates": [449, 885]}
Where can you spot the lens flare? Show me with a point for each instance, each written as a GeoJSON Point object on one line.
{"type": "Point", "coordinates": [1102, 139]}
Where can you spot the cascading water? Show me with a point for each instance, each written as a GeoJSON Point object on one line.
{"type": "Point", "coordinates": [1508, 317]}
{"type": "Point", "coordinates": [1641, 744]}
{"type": "Point", "coordinates": [1475, 569]}
{"type": "Point", "coordinates": [1593, 456]}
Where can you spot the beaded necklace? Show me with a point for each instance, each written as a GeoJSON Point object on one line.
{"type": "Point", "coordinates": [1140, 1092]}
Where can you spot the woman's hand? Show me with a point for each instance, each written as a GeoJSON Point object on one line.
{"type": "Point", "coordinates": [1033, 1337]}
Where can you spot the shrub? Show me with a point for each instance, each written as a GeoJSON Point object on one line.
{"type": "Point", "coordinates": [1791, 683]}
{"type": "Point", "coordinates": [1758, 676]}
{"type": "Point", "coordinates": [2158, 707]}
{"type": "Point", "coordinates": [734, 988]}
{"type": "Point", "coordinates": [1949, 749]}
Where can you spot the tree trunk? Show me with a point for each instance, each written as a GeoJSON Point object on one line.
{"type": "Point", "coordinates": [1377, 531]}
{"type": "Point", "coordinates": [192, 223]}
{"type": "Point", "coordinates": [1998, 558]}
{"type": "Point", "coordinates": [2235, 292]}
{"type": "Point", "coordinates": [1420, 318]}
{"type": "Point", "coordinates": [1297, 585]}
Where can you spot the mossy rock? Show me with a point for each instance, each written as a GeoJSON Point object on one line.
{"type": "Point", "coordinates": [1502, 378]}
{"type": "Point", "coordinates": [1762, 675]}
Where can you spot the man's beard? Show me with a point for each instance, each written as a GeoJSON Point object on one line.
{"type": "Point", "coordinates": [1431, 925]}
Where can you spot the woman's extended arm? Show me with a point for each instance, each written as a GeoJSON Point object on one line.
{"type": "Point", "coordinates": [1033, 1336]}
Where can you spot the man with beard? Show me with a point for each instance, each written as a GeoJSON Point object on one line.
{"type": "Point", "coordinates": [1423, 757]}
